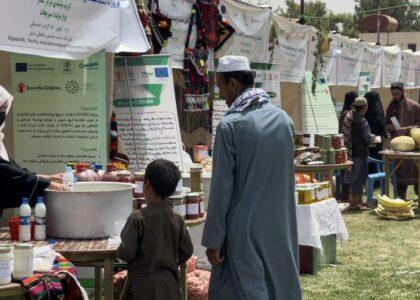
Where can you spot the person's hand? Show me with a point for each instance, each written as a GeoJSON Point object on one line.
{"type": "Point", "coordinates": [214, 257]}
{"type": "Point", "coordinates": [56, 186]}
{"type": "Point", "coordinates": [56, 178]}
{"type": "Point", "coordinates": [4, 107]}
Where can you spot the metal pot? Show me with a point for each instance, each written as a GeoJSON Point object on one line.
{"type": "Point", "coordinates": [91, 210]}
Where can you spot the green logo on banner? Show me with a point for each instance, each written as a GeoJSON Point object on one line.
{"type": "Point", "coordinates": [153, 100]}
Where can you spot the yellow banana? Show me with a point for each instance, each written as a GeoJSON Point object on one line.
{"type": "Point", "coordinates": [394, 203]}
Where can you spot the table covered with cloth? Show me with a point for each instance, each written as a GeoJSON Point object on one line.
{"type": "Point", "coordinates": [320, 219]}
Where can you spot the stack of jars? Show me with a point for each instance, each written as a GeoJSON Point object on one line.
{"type": "Point", "coordinates": [331, 148]}
{"type": "Point", "coordinates": [195, 199]}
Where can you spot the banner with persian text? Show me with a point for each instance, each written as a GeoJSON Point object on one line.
{"type": "Point", "coordinates": [70, 29]}
{"type": "Point", "coordinates": [252, 27]}
{"type": "Point", "coordinates": [145, 108]}
{"type": "Point", "coordinates": [59, 111]}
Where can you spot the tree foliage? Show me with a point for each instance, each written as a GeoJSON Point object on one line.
{"type": "Point", "coordinates": [344, 23]}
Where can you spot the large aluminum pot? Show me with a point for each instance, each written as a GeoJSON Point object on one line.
{"type": "Point", "coordinates": [91, 210]}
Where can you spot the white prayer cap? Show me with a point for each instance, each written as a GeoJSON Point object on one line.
{"type": "Point", "coordinates": [232, 63]}
{"type": "Point", "coordinates": [360, 102]}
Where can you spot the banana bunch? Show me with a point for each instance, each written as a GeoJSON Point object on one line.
{"type": "Point", "coordinates": [394, 209]}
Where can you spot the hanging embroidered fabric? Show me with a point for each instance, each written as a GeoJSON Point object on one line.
{"type": "Point", "coordinates": [196, 94]}
{"type": "Point", "coordinates": [161, 27]}
{"type": "Point", "coordinates": [144, 18]}
{"type": "Point", "coordinates": [217, 29]}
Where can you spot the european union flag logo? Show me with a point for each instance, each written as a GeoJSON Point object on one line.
{"type": "Point", "coordinates": [161, 72]}
{"type": "Point", "coordinates": [21, 67]}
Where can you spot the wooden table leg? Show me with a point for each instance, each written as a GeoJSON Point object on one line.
{"type": "Point", "coordinates": [108, 284]}
{"type": "Point", "coordinates": [387, 175]}
{"type": "Point", "coordinates": [98, 279]}
{"type": "Point", "coordinates": [183, 279]}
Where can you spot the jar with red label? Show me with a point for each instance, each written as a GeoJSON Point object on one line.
{"type": "Point", "coordinates": [139, 184]}
{"type": "Point", "coordinates": [111, 173]}
{"type": "Point", "coordinates": [344, 155]}
{"type": "Point", "coordinates": [338, 157]}
{"type": "Point", "coordinates": [338, 141]}
{"type": "Point", "coordinates": [125, 176]}
{"type": "Point", "coordinates": [202, 208]}
{"type": "Point", "coordinates": [193, 206]}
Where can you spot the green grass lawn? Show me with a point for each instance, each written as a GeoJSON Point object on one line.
{"type": "Point", "coordinates": [381, 260]}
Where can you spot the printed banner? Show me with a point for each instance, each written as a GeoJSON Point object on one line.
{"type": "Point", "coordinates": [417, 69]}
{"type": "Point", "coordinates": [318, 111]}
{"type": "Point", "coordinates": [59, 111]}
{"type": "Point", "coordinates": [364, 83]}
{"type": "Point", "coordinates": [330, 66]}
{"type": "Point", "coordinates": [350, 55]}
{"type": "Point", "coordinates": [372, 62]}
{"type": "Point", "coordinates": [267, 78]}
{"type": "Point", "coordinates": [146, 109]}
{"type": "Point", "coordinates": [291, 49]}
{"type": "Point", "coordinates": [70, 29]}
{"type": "Point", "coordinates": [407, 69]}
{"type": "Point", "coordinates": [391, 68]}
{"type": "Point", "coordinates": [252, 25]}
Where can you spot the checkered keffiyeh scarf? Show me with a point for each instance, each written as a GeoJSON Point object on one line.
{"type": "Point", "coordinates": [250, 97]}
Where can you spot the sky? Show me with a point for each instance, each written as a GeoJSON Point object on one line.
{"type": "Point", "coordinates": [337, 6]}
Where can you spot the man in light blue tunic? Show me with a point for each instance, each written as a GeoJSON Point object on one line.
{"type": "Point", "coordinates": [251, 231]}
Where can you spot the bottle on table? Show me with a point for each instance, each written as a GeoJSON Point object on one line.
{"type": "Point", "coordinates": [40, 220]}
{"type": "Point", "coordinates": [68, 177]}
{"type": "Point", "coordinates": [25, 221]}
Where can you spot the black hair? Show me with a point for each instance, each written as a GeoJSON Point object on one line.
{"type": "Point", "coordinates": [349, 99]}
{"type": "Point", "coordinates": [244, 77]}
{"type": "Point", "coordinates": [163, 176]}
{"type": "Point", "coordinates": [397, 86]}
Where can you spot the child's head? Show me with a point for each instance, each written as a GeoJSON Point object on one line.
{"type": "Point", "coordinates": [161, 179]}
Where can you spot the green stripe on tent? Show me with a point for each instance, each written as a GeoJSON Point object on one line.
{"type": "Point", "coordinates": [142, 61]}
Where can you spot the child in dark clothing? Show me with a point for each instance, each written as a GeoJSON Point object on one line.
{"type": "Point", "coordinates": [155, 240]}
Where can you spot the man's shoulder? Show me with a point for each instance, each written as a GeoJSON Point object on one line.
{"type": "Point", "coordinates": [411, 102]}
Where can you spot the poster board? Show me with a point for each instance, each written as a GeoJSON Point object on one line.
{"type": "Point", "coordinates": [267, 78]}
{"type": "Point", "coordinates": [364, 84]}
{"type": "Point", "coordinates": [318, 111]}
{"type": "Point", "coordinates": [145, 108]}
{"type": "Point", "coordinates": [70, 29]}
{"type": "Point", "coordinates": [59, 111]}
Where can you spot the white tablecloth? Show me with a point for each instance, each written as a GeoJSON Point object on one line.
{"type": "Point", "coordinates": [320, 219]}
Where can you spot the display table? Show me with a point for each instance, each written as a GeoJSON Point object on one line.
{"type": "Point", "coordinates": [389, 156]}
{"type": "Point", "coordinates": [320, 225]}
{"type": "Point", "coordinates": [84, 253]}
{"type": "Point", "coordinates": [324, 169]}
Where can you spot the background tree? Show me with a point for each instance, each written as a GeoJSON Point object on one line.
{"type": "Point", "coordinates": [343, 23]}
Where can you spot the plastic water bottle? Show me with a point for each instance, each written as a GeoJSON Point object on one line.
{"type": "Point", "coordinates": [40, 220]}
{"type": "Point", "coordinates": [68, 177]}
{"type": "Point", "coordinates": [25, 221]}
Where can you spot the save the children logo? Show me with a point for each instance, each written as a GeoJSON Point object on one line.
{"type": "Point", "coordinates": [21, 87]}
{"type": "Point", "coordinates": [72, 87]}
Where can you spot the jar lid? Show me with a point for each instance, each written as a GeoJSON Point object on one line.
{"type": "Point", "coordinates": [124, 174]}
{"type": "Point", "coordinates": [176, 197]}
{"type": "Point", "coordinates": [196, 167]}
{"type": "Point", "coordinates": [193, 195]}
{"type": "Point", "coordinates": [139, 174]}
{"type": "Point", "coordinates": [24, 246]}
